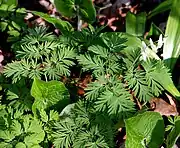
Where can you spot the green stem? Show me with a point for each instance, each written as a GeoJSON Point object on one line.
{"type": "Point", "coordinates": [79, 23]}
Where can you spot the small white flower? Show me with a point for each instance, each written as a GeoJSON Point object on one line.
{"type": "Point", "coordinates": [153, 47]}
{"type": "Point", "coordinates": [146, 52]}
{"type": "Point", "coordinates": [160, 41]}
{"type": "Point", "coordinates": [159, 44]}
{"type": "Point", "coordinates": [143, 51]}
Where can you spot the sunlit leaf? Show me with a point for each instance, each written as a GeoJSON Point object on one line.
{"type": "Point", "coordinates": [49, 94]}
{"type": "Point", "coordinates": [145, 130]}
{"type": "Point", "coordinates": [171, 50]}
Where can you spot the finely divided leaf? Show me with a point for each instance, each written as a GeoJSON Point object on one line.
{"type": "Point", "coordinates": [114, 41]}
{"type": "Point", "coordinates": [156, 69]}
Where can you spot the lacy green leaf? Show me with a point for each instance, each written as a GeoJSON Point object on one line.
{"type": "Point", "coordinates": [160, 73]}
{"type": "Point", "coordinates": [16, 128]}
{"type": "Point", "coordinates": [114, 41]}
{"type": "Point", "coordinates": [116, 100]}
{"type": "Point", "coordinates": [64, 134]}
{"type": "Point", "coordinates": [137, 82]}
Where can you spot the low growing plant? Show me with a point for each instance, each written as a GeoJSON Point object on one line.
{"type": "Point", "coordinates": [121, 77]}
{"type": "Point", "coordinates": [39, 105]}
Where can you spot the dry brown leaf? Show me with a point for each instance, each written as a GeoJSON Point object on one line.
{"type": "Point", "coordinates": [164, 108]}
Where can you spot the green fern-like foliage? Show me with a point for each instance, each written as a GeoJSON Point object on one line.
{"type": "Point", "coordinates": [40, 55]}
{"type": "Point", "coordinates": [116, 70]}
{"type": "Point", "coordinates": [120, 77]}
{"type": "Point", "coordinates": [84, 128]}
{"type": "Point", "coordinates": [101, 60]}
{"type": "Point", "coordinates": [146, 76]}
{"type": "Point", "coordinates": [110, 95]}
{"type": "Point", "coordinates": [119, 71]}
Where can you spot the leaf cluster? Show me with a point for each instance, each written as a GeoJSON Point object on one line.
{"type": "Point", "coordinates": [84, 127]}
{"type": "Point", "coordinates": [40, 55]}
{"type": "Point", "coordinates": [19, 130]}
{"type": "Point", "coordinates": [120, 77]}
{"type": "Point", "coordinates": [11, 20]}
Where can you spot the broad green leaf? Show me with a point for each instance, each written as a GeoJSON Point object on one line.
{"type": "Point", "coordinates": [174, 134]}
{"type": "Point", "coordinates": [34, 139]}
{"type": "Point", "coordinates": [49, 94]}
{"type": "Point", "coordinates": [135, 24]}
{"type": "Point", "coordinates": [64, 26]}
{"type": "Point", "coordinates": [65, 7]}
{"type": "Point", "coordinates": [145, 130]}
{"type": "Point", "coordinates": [86, 10]}
{"type": "Point", "coordinates": [132, 42]}
{"type": "Point", "coordinates": [67, 110]}
{"type": "Point", "coordinates": [82, 8]}
{"type": "Point", "coordinates": [171, 50]}
{"type": "Point", "coordinates": [154, 31]}
{"type": "Point", "coordinates": [163, 6]}
{"type": "Point", "coordinates": [20, 145]}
